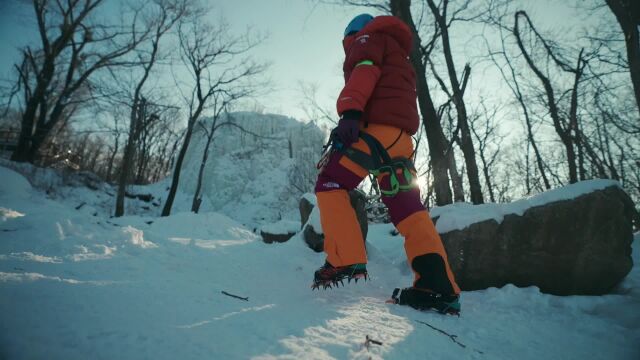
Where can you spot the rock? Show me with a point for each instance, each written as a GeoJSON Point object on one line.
{"type": "Point", "coordinates": [580, 246]}
{"type": "Point", "coordinates": [278, 238]}
{"type": "Point", "coordinates": [306, 205]}
{"type": "Point", "coordinates": [358, 203]}
{"type": "Point", "coordinates": [313, 239]}
{"type": "Point", "coordinates": [312, 229]}
{"type": "Point", "coordinates": [279, 232]}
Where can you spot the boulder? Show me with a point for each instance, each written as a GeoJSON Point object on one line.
{"type": "Point", "coordinates": [358, 203]}
{"type": "Point", "coordinates": [313, 238]}
{"type": "Point", "coordinates": [579, 246]}
{"type": "Point", "coordinates": [306, 205]}
{"type": "Point", "coordinates": [279, 232]}
{"type": "Point", "coordinates": [312, 230]}
{"type": "Point", "coordinates": [277, 238]}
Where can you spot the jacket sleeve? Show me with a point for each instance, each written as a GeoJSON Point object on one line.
{"type": "Point", "coordinates": [363, 61]}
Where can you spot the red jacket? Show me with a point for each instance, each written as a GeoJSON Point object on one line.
{"type": "Point", "coordinates": [386, 90]}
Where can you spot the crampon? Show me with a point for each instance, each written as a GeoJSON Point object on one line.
{"type": "Point", "coordinates": [426, 301]}
{"type": "Point", "coordinates": [329, 276]}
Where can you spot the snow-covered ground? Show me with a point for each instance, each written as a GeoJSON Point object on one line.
{"type": "Point", "coordinates": [75, 284]}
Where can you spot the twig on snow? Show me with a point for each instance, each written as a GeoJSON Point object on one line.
{"type": "Point", "coordinates": [370, 341]}
{"type": "Point", "coordinates": [453, 338]}
{"type": "Point", "coordinates": [235, 296]}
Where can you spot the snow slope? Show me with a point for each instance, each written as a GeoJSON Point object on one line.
{"type": "Point", "coordinates": [78, 286]}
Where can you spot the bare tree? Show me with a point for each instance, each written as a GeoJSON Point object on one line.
{"type": "Point", "coordinates": [161, 18]}
{"type": "Point", "coordinates": [311, 106]}
{"type": "Point", "coordinates": [54, 77]}
{"type": "Point", "coordinates": [445, 115]}
{"type": "Point", "coordinates": [457, 95]}
{"type": "Point", "coordinates": [511, 79]}
{"type": "Point", "coordinates": [484, 129]}
{"type": "Point", "coordinates": [219, 70]}
{"type": "Point", "coordinates": [155, 139]}
{"type": "Point", "coordinates": [438, 144]}
{"type": "Point", "coordinates": [566, 126]}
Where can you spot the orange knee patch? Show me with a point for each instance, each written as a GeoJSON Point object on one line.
{"type": "Point", "coordinates": [343, 241]}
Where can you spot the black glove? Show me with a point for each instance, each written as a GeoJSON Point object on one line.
{"type": "Point", "coordinates": [348, 127]}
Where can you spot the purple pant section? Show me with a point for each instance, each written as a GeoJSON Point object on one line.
{"type": "Point", "coordinates": [335, 176]}
{"type": "Point", "coordinates": [404, 203]}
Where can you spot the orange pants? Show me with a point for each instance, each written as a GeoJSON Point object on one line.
{"type": "Point", "coordinates": [343, 241]}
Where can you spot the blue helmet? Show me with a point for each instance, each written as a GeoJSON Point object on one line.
{"type": "Point", "coordinates": [357, 24]}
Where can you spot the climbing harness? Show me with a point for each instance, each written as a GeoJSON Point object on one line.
{"type": "Point", "coordinates": [378, 163]}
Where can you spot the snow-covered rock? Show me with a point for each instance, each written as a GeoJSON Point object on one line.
{"type": "Point", "coordinates": [574, 240]}
{"type": "Point", "coordinates": [280, 231]}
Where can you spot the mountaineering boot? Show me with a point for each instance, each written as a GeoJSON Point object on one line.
{"type": "Point", "coordinates": [421, 299]}
{"type": "Point", "coordinates": [329, 275]}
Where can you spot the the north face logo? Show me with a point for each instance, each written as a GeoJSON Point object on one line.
{"type": "Point", "coordinates": [362, 39]}
{"type": "Point", "coordinates": [331, 185]}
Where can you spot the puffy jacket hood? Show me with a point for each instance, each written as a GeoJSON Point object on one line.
{"type": "Point", "coordinates": [389, 25]}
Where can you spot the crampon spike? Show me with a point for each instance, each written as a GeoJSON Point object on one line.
{"type": "Point", "coordinates": [334, 278]}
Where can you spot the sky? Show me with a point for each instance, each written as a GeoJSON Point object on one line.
{"type": "Point", "coordinates": [303, 43]}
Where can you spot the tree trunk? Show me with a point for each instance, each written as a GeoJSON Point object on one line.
{"type": "Point", "coordinates": [142, 161]}
{"type": "Point", "coordinates": [435, 136]}
{"type": "Point", "coordinates": [534, 145]}
{"type": "Point", "coordinates": [125, 171]}
{"type": "Point", "coordinates": [138, 113]}
{"type": "Point", "coordinates": [470, 157]}
{"type": "Point", "coordinates": [456, 179]}
{"type": "Point", "coordinates": [573, 121]}
{"type": "Point", "coordinates": [37, 140]}
{"type": "Point", "coordinates": [127, 166]}
{"type": "Point", "coordinates": [458, 100]}
{"type": "Point", "coordinates": [171, 158]}
{"type": "Point", "coordinates": [574, 124]}
{"type": "Point", "coordinates": [487, 176]}
{"type": "Point", "coordinates": [197, 199]}
{"type": "Point", "coordinates": [628, 14]}
{"type": "Point", "coordinates": [112, 157]}
{"type": "Point", "coordinates": [33, 103]}
{"type": "Point", "coordinates": [175, 180]}
{"type": "Point", "coordinates": [21, 153]}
